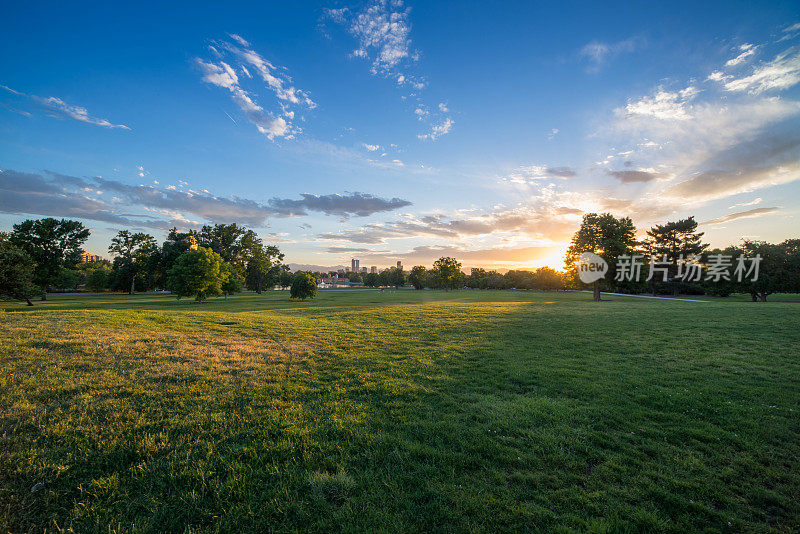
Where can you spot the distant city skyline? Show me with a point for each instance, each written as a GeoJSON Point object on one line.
{"type": "Point", "coordinates": [377, 130]}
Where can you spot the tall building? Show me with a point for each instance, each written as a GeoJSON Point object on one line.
{"type": "Point", "coordinates": [399, 265]}
{"type": "Point", "coordinates": [354, 265]}
{"type": "Point", "coordinates": [363, 269]}
{"type": "Point", "coordinates": [89, 257]}
{"type": "Point", "coordinates": [373, 269]}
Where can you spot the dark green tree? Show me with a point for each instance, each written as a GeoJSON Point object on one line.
{"type": "Point", "coordinates": [16, 273]}
{"type": "Point", "coordinates": [447, 273]}
{"type": "Point", "coordinates": [198, 273]}
{"type": "Point", "coordinates": [675, 240]}
{"type": "Point", "coordinates": [99, 279]}
{"type": "Point", "coordinates": [604, 235]}
{"type": "Point", "coordinates": [52, 244]}
{"type": "Point", "coordinates": [262, 262]}
{"type": "Point", "coordinates": [304, 286]}
{"type": "Point", "coordinates": [418, 276]}
{"type": "Point", "coordinates": [234, 282]}
{"type": "Point", "coordinates": [133, 250]}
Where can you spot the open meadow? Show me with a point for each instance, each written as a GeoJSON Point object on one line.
{"type": "Point", "coordinates": [399, 411]}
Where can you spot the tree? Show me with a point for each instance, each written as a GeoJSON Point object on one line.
{"type": "Point", "coordinates": [285, 277]}
{"type": "Point", "coordinates": [447, 273]}
{"type": "Point", "coordinates": [372, 280]}
{"type": "Point", "coordinates": [98, 279]}
{"type": "Point", "coordinates": [303, 286]}
{"type": "Point", "coordinates": [418, 276]}
{"type": "Point", "coordinates": [547, 278]}
{"type": "Point", "coordinates": [773, 273]}
{"type": "Point", "coordinates": [234, 282]}
{"type": "Point", "coordinates": [200, 273]}
{"type": "Point", "coordinates": [227, 241]}
{"type": "Point", "coordinates": [133, 250]}
{"type": "Point", "coordinates": [675, 240]}
{"type": "Point", "coordinates": [16, 273]}
{"type": "Point", "coordinates": [396, 277]}
{"type": "Point", "coordinates": [262, 262]}
{"type": "Point", "coordinates": [604, 235]}
{"type": "Point", "coordinates": [52, 244]}
{"type": "Point", "coordinates": [67, 279]}
{"type": "Point", "coordinates": [176, 244]}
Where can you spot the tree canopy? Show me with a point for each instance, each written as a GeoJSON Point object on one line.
{"type": "Point", "coordinates": [198, 273]}
{"type": "Point", "coordinates": [52, 244]}
{"type": "Point", "coordinates": [304, 286]}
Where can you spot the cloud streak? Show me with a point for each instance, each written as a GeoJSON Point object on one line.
{"type": "Point", "coordinates": [278, 122]}
{"type": "Point", "coordinates": [57, 108]}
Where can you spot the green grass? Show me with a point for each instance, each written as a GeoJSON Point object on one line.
{"type": "Point", "coordinates": [403, 411]}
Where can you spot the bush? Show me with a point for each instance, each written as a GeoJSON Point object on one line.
{"type": "Point", "coordinates": [304, 286]}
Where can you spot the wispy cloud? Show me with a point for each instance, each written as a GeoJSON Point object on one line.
{"type": "Point", "coordinates": [599, 53]}
{"type": "Point", "coordinates": [58, 108]}
{"type": "Point", "coordinates": [781, 73]}
{"type": "Point", "coordinates": [279, 122]}
{"type": "Point", "coordinates": [749, 214]}
{"type": "Point", "coordinates": [382, 30]}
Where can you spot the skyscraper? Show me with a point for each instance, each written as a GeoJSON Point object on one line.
{"type": "Point", "coordinates": [354, 265]}
{"type": "Point", "coordinates": [399, 265]}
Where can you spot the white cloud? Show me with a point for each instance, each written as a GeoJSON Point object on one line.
{"type": "Point", "coordinates": [663, 105]}
{"type": "Point", "coordinates": [383, 33]}
{"type": "Point", "coordinates": [552, 133]}
{"type": "Point", "coordinates": [598, 53]}
{"type": "Point", "coordinates": [239, 39]}
{"type": "Point", "coordinates": [534, 173]}
{"type": "Point", "coordinates": [747, 51]}
{"type": "Point", "coordinates": [780, 73]}
{"type": "Point", "coordinates": [57, 108]}
{"type": "Point", "coordinates": [438, 130]}
{"type": "Point", "coordinates": [269, 123]}
{"type": "Point", "coordinates": [371, 148]}
{"type": "Point", "coordinates": [744, 204]}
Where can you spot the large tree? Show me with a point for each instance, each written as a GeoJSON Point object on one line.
{"type": "Point", "coordinates": [774, 273]}
{"type": "Point", "coordinates": [447, 273]}
{"type": "Point", "coordinates": [262, 262]}
{"type": "Point", "coordinates": [227, 241]}
{"type": "Point", "coordinates": [16, 272]}
{"type": "Point", "coordinates": [418, 276]}
{"type": "Point", "coordinates": [605, 235]}
{"type": "Point", "coordinates": [675, 240]}
{"type": "Point", "coordinates": [199, 273]}
{"type": "Point", "coordinates": [133, 252]}
{"type": "Point", "coordinates": [52, 244]}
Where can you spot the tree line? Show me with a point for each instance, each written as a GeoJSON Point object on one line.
{"type": "Point", "coordinates": [40, 255]}
{"type": "Point", "coordinates": [614, 239]}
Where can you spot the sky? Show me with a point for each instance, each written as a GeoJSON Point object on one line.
{"type": "Point", "coordinates": [389, 130]}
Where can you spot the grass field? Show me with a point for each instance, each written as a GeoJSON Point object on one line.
{"type": "Point", "coordinates": [402, 411]}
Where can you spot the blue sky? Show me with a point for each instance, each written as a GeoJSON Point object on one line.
{"type": "Point", "coordinates": [403, 130]}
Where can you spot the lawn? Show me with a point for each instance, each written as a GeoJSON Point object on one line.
{"type": "Point", "coordinates": [400, 412]}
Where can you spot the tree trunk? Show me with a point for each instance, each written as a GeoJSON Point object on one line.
{"type": "Point", "coordinates": [764, 297]}
{"type": "Point", "coordinates": [133, 281]}
{"type": "Point", "coordinates": [596, 291]}
{"type": "Point", "coordinates": [29, 302]}
{"type": "Point", "coordinates": [258, 287]}
{"type": "Point", "coordinates": [44, 294]}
